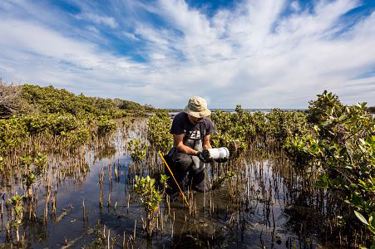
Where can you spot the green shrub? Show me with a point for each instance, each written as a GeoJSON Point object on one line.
{"type": "Point", "coordinates": [150, 198]}
{"type": "Point", "coordinates": [341, 144]}
{"type": "Point", "coordinates": [12, 133]}
{"type": "Point", "coordinates": [158, 135]}
{"type": "Point", "coordinates": [137, 150]}
{"type": "Point", "coordinates": [105, 126]}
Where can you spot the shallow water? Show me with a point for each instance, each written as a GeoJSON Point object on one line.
{"type": "Point", "coordinates": [254, 209]}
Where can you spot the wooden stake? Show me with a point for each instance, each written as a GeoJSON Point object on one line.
{"type": "Point", "coordinates": [170, 171]}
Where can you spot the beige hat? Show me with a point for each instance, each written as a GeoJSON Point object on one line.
{"type": "Point", "coordinates": [197, 107]}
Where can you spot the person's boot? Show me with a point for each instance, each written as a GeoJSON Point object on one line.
{"type": "Point", "coordinates": [198, 182]}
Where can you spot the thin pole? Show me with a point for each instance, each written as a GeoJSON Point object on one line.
{"type": "Point", "coordinates": [170, 171]}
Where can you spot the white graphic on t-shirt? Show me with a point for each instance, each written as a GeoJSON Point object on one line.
{"type": "Point", "coordinates": [195, 135]}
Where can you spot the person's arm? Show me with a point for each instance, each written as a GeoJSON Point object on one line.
{"type": "Point", "coordinates": [178, 143]}
{"type": "Point", "coordinates": [206, 142]}
{"type": "Point", "coordinates": [207, 138]}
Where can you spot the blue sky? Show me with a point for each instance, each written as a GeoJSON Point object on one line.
{"type": "Point", "coordinates": [260, 54]}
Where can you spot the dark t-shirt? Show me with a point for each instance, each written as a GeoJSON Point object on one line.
{"type": "Point", "coordinates": [182, 125]}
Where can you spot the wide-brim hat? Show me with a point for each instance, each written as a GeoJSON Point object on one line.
{"type": "Point", "coordinates": [197, 107]}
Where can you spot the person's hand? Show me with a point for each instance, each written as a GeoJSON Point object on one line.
{"type": "Point", "coordinates": [204, 156]}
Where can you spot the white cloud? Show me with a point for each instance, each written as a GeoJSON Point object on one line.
{"type": "Point", "coordinates": [295, 6]}
{"type": "Point", "coordinates": [97, 19]}
{"type": "Point", "coordinates": [252, 54]}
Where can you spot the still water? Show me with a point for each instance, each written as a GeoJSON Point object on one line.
{"type": "Point", "coordinates": [262, 206]}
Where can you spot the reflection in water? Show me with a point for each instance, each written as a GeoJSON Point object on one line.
{"type": "Point", "coordinates": [88, 201]}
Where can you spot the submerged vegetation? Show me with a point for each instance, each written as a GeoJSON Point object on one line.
{"type": "Point", "coordinates": [308, 166]}
{"type": "Point", "coordinates": [151, 198]}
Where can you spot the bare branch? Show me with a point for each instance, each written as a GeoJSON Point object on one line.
{"type": "Point", "coordinates": [9, 99]}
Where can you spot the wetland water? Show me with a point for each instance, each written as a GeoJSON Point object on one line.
{"type": "Point", "coordinates": [90, 203]}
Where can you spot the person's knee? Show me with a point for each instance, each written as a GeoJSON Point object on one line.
{"type": "Point", "coordinates": [198, 182]}
{"type": "Point", "coordinates": [183, 161]}
{"type": "Point", "coordinates": [198, 176]}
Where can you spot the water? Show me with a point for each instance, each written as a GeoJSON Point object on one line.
{"type": "Point", "coordinates": [254, 209]}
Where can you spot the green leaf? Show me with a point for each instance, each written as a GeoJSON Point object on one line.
{"type": "Point", "coordinates": [361, 217]}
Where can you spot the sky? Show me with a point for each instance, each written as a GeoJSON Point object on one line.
{"type": "Point", "coordinates": [259, 54]}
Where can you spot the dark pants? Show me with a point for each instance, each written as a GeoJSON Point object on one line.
{"type": "Point", "coordinates": [186, 176]}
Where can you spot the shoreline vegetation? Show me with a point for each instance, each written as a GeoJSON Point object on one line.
{"type": "Point", "coordinates": [331, 145]}
{"type": "Point", "coordinates": [250, 110]}
{"type": "Point", "coordinates": [30, 99]}
{"type": "Point", "coordinates": [57, 116]}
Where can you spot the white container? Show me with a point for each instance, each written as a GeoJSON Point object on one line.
{"type": "Point", "coordinates": [219, 153]}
